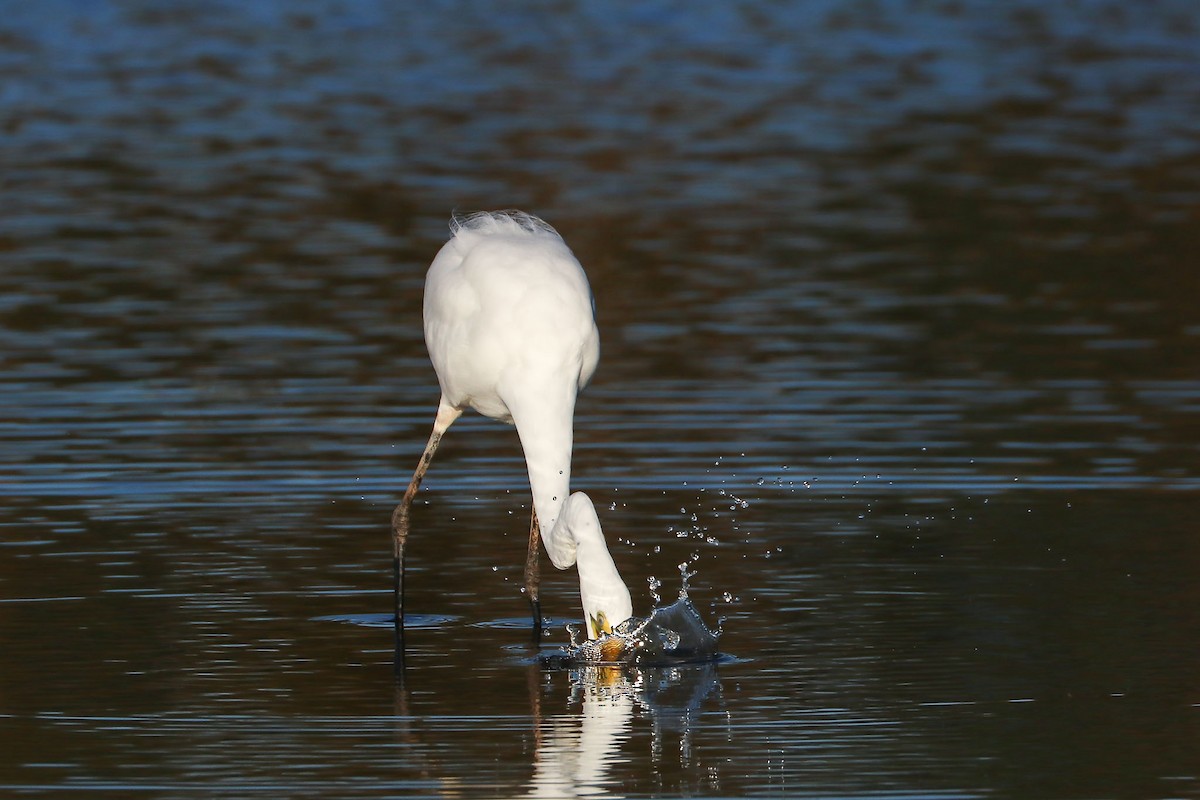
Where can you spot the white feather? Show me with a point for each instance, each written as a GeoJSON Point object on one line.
{"type": "Point", "coordinates": [510, 327]}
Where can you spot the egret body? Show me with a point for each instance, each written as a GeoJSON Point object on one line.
{"type": "Point", "coordinates": [511, 331]}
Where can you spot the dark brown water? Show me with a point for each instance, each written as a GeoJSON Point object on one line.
{"type": "Point", "coordinates": [898, 303]}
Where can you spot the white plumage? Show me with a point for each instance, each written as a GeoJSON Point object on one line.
{"type": "Point", "coordinates": [511, 331]}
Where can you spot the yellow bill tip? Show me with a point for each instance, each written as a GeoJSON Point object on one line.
{"type": "Point", "coordinates": [598, 624]}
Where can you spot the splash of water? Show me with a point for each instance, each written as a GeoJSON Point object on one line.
{"type": "Point", "coordinates": [673, 634]}
{"type": "Point", "coordinates": [655, 584]}
{"type": "Point", "coordinates": [686, 574]}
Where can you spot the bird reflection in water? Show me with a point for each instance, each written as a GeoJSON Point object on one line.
{"type": "Point", "coordinates": [576, 752]}
{"type": "Point", "coordinates": [591, 721]}
{"type": "Point", "coordinates": [663, 666]}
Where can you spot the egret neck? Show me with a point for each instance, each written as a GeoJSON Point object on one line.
{"type": "Point", "coordinates": [544, 427]}
{"type": "Point", "coordinates": [606, 600]}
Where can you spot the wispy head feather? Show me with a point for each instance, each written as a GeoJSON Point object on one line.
{"type": "Point", "coordinates": [509, 220]}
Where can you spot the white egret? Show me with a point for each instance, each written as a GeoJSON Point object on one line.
{"type": "Point", "coordinates": [511, 331]}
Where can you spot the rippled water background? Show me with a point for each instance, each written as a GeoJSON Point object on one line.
{"type": "Point", "coordinates": [898, 303]}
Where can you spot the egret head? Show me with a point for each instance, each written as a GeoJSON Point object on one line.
{"type": "Point", "coordinates": [606, 601]}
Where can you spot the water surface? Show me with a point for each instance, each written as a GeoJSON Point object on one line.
{"type": "Point", "coordinates": [900, 355]}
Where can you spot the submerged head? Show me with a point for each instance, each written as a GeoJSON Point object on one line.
{"type": "Point", "coordinates": [604, 614]}
{"type": "Point", "coordinates": [674, 634]}
{"type": "Point", "coordinates": [606, 601]}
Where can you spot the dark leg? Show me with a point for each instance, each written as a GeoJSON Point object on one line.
{"type": "Point", "coordinates": [533, 576]}
{"type": "Point", "coordinates": [400, 517]}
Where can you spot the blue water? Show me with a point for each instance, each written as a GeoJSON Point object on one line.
{"type": "Point", "coordinates": [900, 352]}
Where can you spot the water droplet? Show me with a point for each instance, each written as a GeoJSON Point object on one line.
{"type": "Point", "coordinates": [685, 575]}
{"type": "Point", "coordinates": [654, 584]}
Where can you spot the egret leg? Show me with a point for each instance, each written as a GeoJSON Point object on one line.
{"type": "Point", "coordinates": [400, 517]}
{"type": "Point", "coordinates": [533, 576]}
